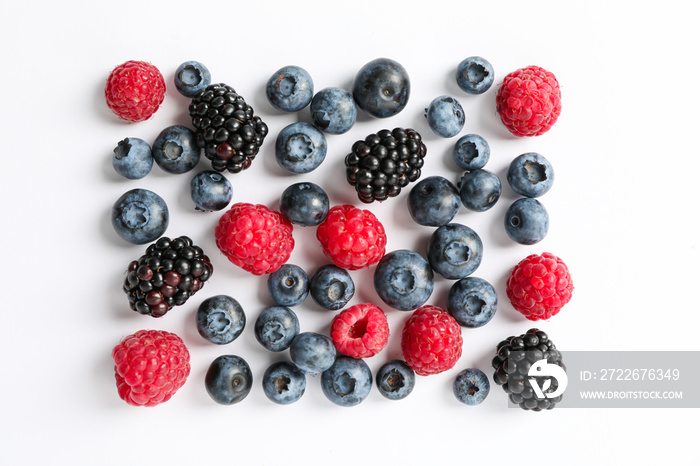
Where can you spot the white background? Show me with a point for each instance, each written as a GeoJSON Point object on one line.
{"type": "Point", "coordinates": [622, 210]}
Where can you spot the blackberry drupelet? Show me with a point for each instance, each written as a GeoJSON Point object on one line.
{"type": "Point", "coordinates": [514, 358]}
{"type": "Point", "coordinates": [226, 128]}
{"type": "Point", "coordinates": [384, 162]}
{"type": "Point", "coordinates": [166, 276]}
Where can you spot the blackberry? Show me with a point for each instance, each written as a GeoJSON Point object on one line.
{"type": "Point", "coordinates": [384, 162]}
{"type": "Point", "coordinates": [226, 128]}
{"type": "Point", "coordinates": [166, 276]}
{"type": "Point", "coordinates": [514, 358]}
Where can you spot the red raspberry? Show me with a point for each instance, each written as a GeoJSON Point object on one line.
{"type": "Point", "coordinates": [431, 341]}
{"type": "Point", "coordinates": [150, 366]}
{"type": "Point", "coordinates": [255, 238]}
{"type": "Point", "coordinates": [353, 238]}
{"type": "Point", "coordinates": [529, 101]}
{"type": "Point", "coordinates": [539, 286]}
{"type": "Point", "coordinates": [360, 331]}
{"type": "Point", "coordinates": [135, 90]}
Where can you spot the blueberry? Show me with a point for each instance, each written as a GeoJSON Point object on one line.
{"type": "Point", "coordinates": [228, 379]}
{"type": "Point", "coordinates": [526, 221]}
{"type": "Point", "coordinates": [433, 201]}
{"type": "Point", "coordinates": [333, 110]}
{"type": "Point", "coordinates": [210, 190]}
{"type": "Point", "coordinates": [300, 148]}
{"type": "Point", "coordinates": [454, 251]}
{"type": "Point", "coordinates": [220, 319]}
{"type": "Point", "coordinates": [288, 285]}
{"type": "Point", "coordinates": [304, 204]}
{"type": "Point", "coordinates": [395, 380]}
{"type": "Point", "coordinates": [479, 190]}
{"type": "Point", "coordinates": [175, 149]}
{"type": "Point", "coordinates": [331, 287]}
{"type": "Point", "coordinates": [471, 152]}
{"type": "Point", "coordinates": [445, 116]}
{"type": "Point", "coordinates": [474, 75]}
{"type": "Point", "coordinates": [312, 352]}
{"type": "Point", "coordinates": [290, 89]}
{"type": "Point", "coordinates": [403, 279]}
{"type": "Point", "coordinates": [140, 216]}
{"type": "Point", "coordinates": [347, 382]}
{"type": "Point", "coordinates": [530, 175]}
{"type": "Point", "coordinates": [283, 383]}
{"type": "Point", "coordinates": [471, 386]}
{"type": "Point", "coordinates": [381, 88]}
{"type": "Point", "coordinates": [276, 327]}
{"type": "Point", "coordinates": [472, 302]}
{"type": "Point", "coordinates": [132, 158]}
{"type": "Point", "coordinates": [191, 77]}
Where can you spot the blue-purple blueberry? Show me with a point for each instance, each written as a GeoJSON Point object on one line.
{"type": "Point", "coordinates": [471, 152]}
{"type": "Point", "coordinates": [333, 110]}
{"type": "Point", "coordinates": [347, 382]}
{"type": "Point", "coordinates": [290, 89]}
{"type": "Point", "coordinates": [395, 380]}
{"type": "Point", "coordinates": [455, 251]}
{"type": "Point", "coordinates": [479, 190]}
{"type": "Point", "coordinates": [445, 116]}
{"type": "Point", "coordinates": [288, 285]}
{"type": "Point", "coordinates": [283, 383]}
{"type": "Point", "coordinates": [220, 319]}
{"type": "Point", "coordinates": [474, 75]}
{"type": "Point", "coordinates": [530, 174]}
{"type": "Point", "coordinates": [210, 191]}
{"type": "Point", "coordinates": [471, 386]}
{"type": "Point", "coordinates": [140, 216]}
{"type": "Point", "coordinates": [191, 77]}
{"type": "Point", "coordinates": [526, 221]}
{"type": "Point", "coordinates": [304, 204]}
{"type": "Point", "coordinates": [228, 380]}
{"type": "Point", "coordinates": [175, 150]}
{"type": "Point", "coordinates": [403, 279]}
{"type": "Point", "coordinates": [433, 201]}
{"type": "Point", "coordinates": [312, 352]}
{"type": "Point", "coordinates": [276, 327]}
{"type": "Point", "coordinates": [472, 301]}
{"type": "Point", "coordinates": [382, 88]}
{"type": "Point", "coordinates": [300, 147]}
{"type": "Point", "coordinates": [331, 287]}
{"type": "Point", "coordinates": [132, 158]}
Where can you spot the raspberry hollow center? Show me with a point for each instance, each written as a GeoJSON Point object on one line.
{"type": "Point", "coordinates": [358, 329]}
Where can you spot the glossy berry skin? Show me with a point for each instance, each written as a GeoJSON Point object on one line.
{"type": "Point", "coordinates": [288, 285]}
{"type": "Point", "coordinates": [381, 88]}
{"type": "Point", "coordinates": [529, 101]}
{"type": "Point", "coordinates": [352, 238]}
{"type": "Point", "coordinates": [283, 383]}
{"type": "Point", "coordinates": [140, 216]}
{"type": "Point", "coordinates": [472, 301]}
{"type": "Point", "coordinates": [210, 191]}
{"type": "Point", "coordinates": [395, 380]}
{"type": "Point", "coordinates": [132, 158]}
{"type": "Point", "coordinates": [539, 286]}
{"type": "Point", "coordinates": [300, 148]}
{"type": "Point", "coordinates": [347, 382]}
{"type": "Point", "coordinates": [471, 152]}
{"type": "Point", "coordinates": [433, 201]}
{"type": "Point", "coordinates": [150, 366]}
{"type": "Point", "coordinates": [475, 75]}
{"type": "Point", "coordinates": [360, 331]}
{"type": "Point", "coordinates": [191, 77]}
{"type": "Point", "coordinates": [304, 204]}
{"type": "Point", "coordinates": [276, 327]}
{"type": "Point", "coordinates": [471, 387]}
{"type": "Point", "coordinates": [135, 90]}
{"type": "Point", "coordinates": [455, 251]}
{"type": "Point", "coordinates": [526, 221]}
{"type": "Point", "coordinates": [403, 279]}
{"type": "Point", "coordinates": [445, 116]}
{"type": "Point", "coordinates": [479, 190]}
{"type": "Point", "coordinates": [331, 287]}
{"type": "Point", "coordinates": [228, 380]}
{"type": "Point", "coordinates": [312, 352]}
{"type": "Point", "coordinates": [530, 175]}
{"type": "Point", "coordinates": [220, 319]}
{"type": "Point", "coordinates": [175, 149]}
{"type": "Point", "coordinates": [333, 110]}
{"type": "Point", "coordinates": [431, 341]}
{"type": "Point", "coordinates": [290, 89]}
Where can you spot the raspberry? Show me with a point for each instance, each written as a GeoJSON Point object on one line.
{"type": "Point", "coordinates": [255, 238]}
{"type": "Point", "coordinates": [529, 101]}
{"type": "Point", "coordinates": [353, 238]}
{"type": "Point", "coordinates": [539, 286]}
{"type": "Point", "coordinates": [135, 90]}
{"type": "Point", "coordinates": [431, 341]}
{"type": "Point", "coordinates": [150, 366]}
{"type": "Point", "coordinates": [360, 331]}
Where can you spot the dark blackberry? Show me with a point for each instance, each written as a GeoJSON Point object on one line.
{"type": "Point", "coordinates": [514, 357]}
{"type": "Point", "coordinates": [226, 128]}
{"type": "Point", "coordinates": [384, 162]}
{"type": "Point", "coordinates": [166, 276]}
